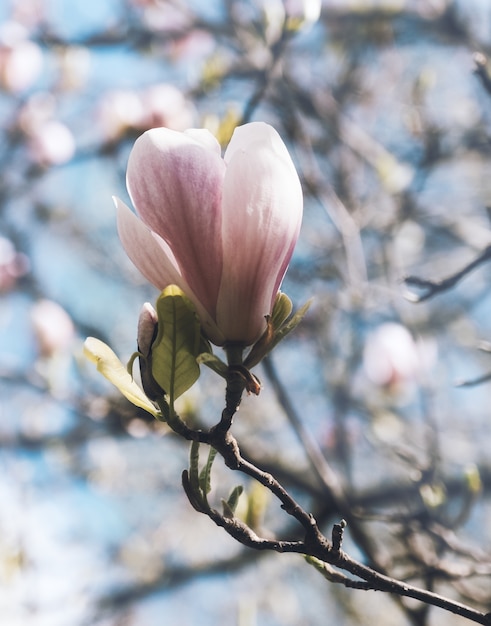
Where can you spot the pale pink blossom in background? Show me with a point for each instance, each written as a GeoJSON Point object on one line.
{"type": "Point", "coordinates": [37, 109]}
{"type": "Point", "coordinates": [222, 229]}
{"type": "Point", "coordinates": [119, 111]}
{"type": "Point", "coordinates": [194, 47]}
{"type": "Point", "coordinates": [165, 105]}
{"type": "Point", "coordinates": [21, 60]}
{"type": "Point", "coordinates": [13, 265]}
{"type": "Point", "coordinates": [53, 328]}
{"type": "Point", "coordinates": [393, 358]}
{"type": "Point", "coordinates": [29, 13]}
{"type": "Point", "coordinates": [55, 337]}
{"type": "Point", "coordinates": [51, 143]}
{"type": "Point", "coordinates": [125, 110]}
{"type": "Point", "coordinates": [164, 17]}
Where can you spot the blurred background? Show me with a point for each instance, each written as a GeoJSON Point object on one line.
{"type": "Point", "coordinates": [386, 110]}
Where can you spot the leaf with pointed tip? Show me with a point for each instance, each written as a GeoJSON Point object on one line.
{"type": "Point", "coordinates": [291, 324]}
{"type": "Point", "coordinates": [233, 499]}
{"type": "Point", "coordinates": [282, 309]}
{"type": "Point", "coordinates": [227, 510]}
{"type": "Point", "coordinates": [278, 328]}
{"type": "Point", "coordinates": [177, 344]}
{"type": "Point", "coordinates": [111, 368]}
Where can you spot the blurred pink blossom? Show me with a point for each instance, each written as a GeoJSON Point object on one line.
{"type": "Point", "coordinates": [222, 229]}
{"type": "Point", "coordinates": [51, 143]}
{"type": "Point", "coordinates": [158, 105]}
{"type": "Point", "coordinates": [21, 60]}
{"type": "Point", "coordinates": [393, 359]}
{"type": "Point", "coordinates": [53, 328]}
{"type": "Point", "coordinates": [37, 109]}
{"type": "Point", "coordinates": [30, 13]}
{"type": "Point", "coordinates": [163, 16]}
{"type": "Point", "coordinates": [165, 105]}
{"type": "Point", "coordinates": [119, 111]}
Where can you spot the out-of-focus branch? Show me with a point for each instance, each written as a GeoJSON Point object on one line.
{"type": "Point", "coordinates": [330, 481]}
{"type": "Point", "coordinates": [432, 288]}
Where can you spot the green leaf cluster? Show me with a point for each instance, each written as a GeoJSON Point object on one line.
{"type": "Point", "coordinates": [197, 484]}
{"type": "Point", "coordinates": [279, 324]}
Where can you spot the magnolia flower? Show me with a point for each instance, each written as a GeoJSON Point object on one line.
{"type": "Point", "coordinates": [221, 229]}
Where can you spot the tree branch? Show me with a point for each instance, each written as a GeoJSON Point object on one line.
{"type": "Point", "coordinates": [432, 288]}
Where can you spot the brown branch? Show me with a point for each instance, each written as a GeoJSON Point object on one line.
{"type": "Point", "coordinates": [432, 288]}
{"type": "Point", "coordinates": [314, 543]}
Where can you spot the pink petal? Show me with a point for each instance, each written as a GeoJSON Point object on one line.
{"type": "Point", "coordinates": [154, 259]}
{"type": "Point", "coordinates": [261, 212]}
{"type": "Point", "coordinates": [175, 183]}
{"type": "Point", "coordinates": [149, 253]}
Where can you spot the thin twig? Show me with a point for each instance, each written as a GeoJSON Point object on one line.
{"type": "Point", "coordinates": [432, 288]}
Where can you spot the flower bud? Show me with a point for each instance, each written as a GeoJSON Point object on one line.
{"type": "Point", "coordinates": [147, 331]}
{"type": "Point", "coordinates": [222, 229]}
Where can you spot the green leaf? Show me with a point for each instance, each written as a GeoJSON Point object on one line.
{"type": "Point", "coordinates": [282, 309]}
{"type": "Point", "coordinates": [278, 328]}
{"type": "Point", "coordinates": [177, 344]}
{"type": "Point", "coordinates": [194, 466]}
{"type": "Point", "coordinates": [291, 324]}
{"type": "Point", "coordinates": [205, 475]}
{"type": "Point", "coordinates": [226, 510]}
{"type": "Point", "coordinates": [111, 368]}
{"type": "Point", "coordinates": [233, 499]}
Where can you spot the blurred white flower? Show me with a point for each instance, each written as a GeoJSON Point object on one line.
{"type": "Point", "coordinates": [118, 111]}
{"type": "Point", "coordinates": [51, 143]}
{"type": "Point", "coordinates": [159, 16]}
{"type": "Point", "coordinates": [274, 18]}
{"type": "Point", "coordinates": [30, 13]}
{"type": "Point", "coordinates": [37, 109]}
{"type": "Point", "coordinates": [53, 328]}
{"type": "Point", "coordinates": [21, 60]}
{"type": "Point", "coordinates": [165, 105]}
{"type": "Point", "coordinates": [158, 105]}
{"type": "Point", "coordinates": [393, 359]}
